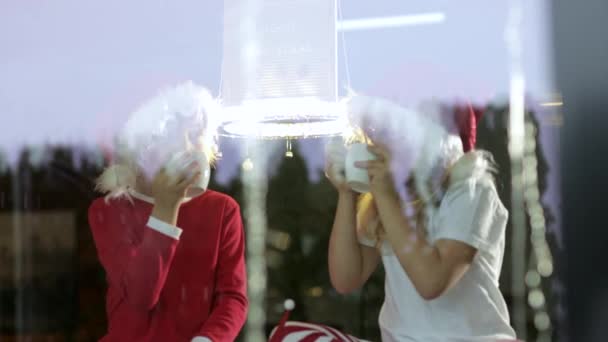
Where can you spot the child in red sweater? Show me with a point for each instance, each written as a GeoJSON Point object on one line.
{"type": "Point", "coordinates": [174, 257]}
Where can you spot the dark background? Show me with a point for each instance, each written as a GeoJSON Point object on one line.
{"type": "Point", "coordinates": [581, 55]}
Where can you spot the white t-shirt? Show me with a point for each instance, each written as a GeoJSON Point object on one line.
{"type": "Point", "coordinates": [473, 309]}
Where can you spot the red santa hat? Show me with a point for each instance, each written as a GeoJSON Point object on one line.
{"type": "Point", "coordinates": [466, 118]}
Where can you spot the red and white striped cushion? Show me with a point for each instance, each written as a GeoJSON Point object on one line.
{"type": "Point", "coordinates": [307, 332]}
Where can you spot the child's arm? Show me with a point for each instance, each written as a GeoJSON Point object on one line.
{"type": "Point", "coordinates": [137, 268]}
{"type": "Point", "coordinates": [350, 263]}
{"type": "Point", "coordinates": [230, 297]}
{"type": "Point", "coordinates": [433, 268]}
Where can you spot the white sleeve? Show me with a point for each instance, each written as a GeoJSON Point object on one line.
{"type": "Point", "coordinates": [201, 339]}
{"type": "Point", "coordinates": [468, 215]}
{"type": "Point", "coordinates": [164, 228]}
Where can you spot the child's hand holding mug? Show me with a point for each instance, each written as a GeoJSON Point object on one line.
{"type": "Point", "coordinates": [335, 157]}
{"type": "Point", "coordinates": [171, 181]}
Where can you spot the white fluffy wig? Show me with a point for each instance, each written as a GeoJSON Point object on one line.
{"type": "Point", "coordinates": [180, 118]}
{"type": "Point", "coordinates": [422, 143]}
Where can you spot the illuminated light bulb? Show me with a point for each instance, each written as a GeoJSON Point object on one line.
{"type": "Point", "coordinates": [388, 22]}
{"type": "Point", "coordinates": [542, 321]}
{"type": "Point", "coordinates": [532, 279]}
{"type": "Point", "coordinates": [316, 291]}
{"type": "Point", "coordinates": [257, 282]}
{"type": "Point", "coordinates": [545, 267]}
{"type": "Point", "coordinates": [536, 299]}
{"type": "Point", "coordinates": [552, 104]}
{"type": "Point", "coordinates": [289, 152]}
{"type": "Point", "coordinates": [247, 164]}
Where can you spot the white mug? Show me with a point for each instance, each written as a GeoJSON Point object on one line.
{"type": "Point", "coordinates": [180, 161]}
{"type": "Point", "coordinates": [357, 178]}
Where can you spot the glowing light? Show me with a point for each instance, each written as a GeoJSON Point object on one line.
{"type": "Point", "coordinates": [247, 165]}
{"type": "Point", "coordinates": [279, 240]}
{"type": "Point", "coordinates": [284, 118]}
{"type": "Point", "coordinates": [533, 279]}
{"type": "Point", "coordinates": [545, 267]}
{"type": "Point", "coordinates": [257, 282]}
{"type": "Point", "coordinates": [289, 152]}
{"type": "Point", "coordinates": [552, 104]}
{"type": "Point", "coordinates": [289, 304]}
{"type": "Point", "coordinates": [279, 75]}
{"type": "Point", "coordinates": [542, 321]}
{"type": "Point", "coordinates": [536, 298]}
{"type": "Point", "coordinates": [516, 116]}
{"type": "Point", "coordinates": [316, 291]}
{"type": "Point", "coordinates": [389, 22]}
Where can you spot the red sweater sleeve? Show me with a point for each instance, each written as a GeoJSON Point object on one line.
{"type": "Point", "coordinates": [136, 266]}
{"type": "Point", "coordinates": [230, 297]}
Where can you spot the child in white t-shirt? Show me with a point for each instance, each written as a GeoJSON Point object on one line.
{"type": "Point", "coordinates": [434, 219]}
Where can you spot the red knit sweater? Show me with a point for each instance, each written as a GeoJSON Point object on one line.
{"type": "Point", "coordinates": [167, 287]}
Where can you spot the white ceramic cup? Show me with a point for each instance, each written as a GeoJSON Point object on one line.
{"type": "Point", "coordinates": [357, 178]}
{"type": "Point", "coordinates": [180, 161]}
